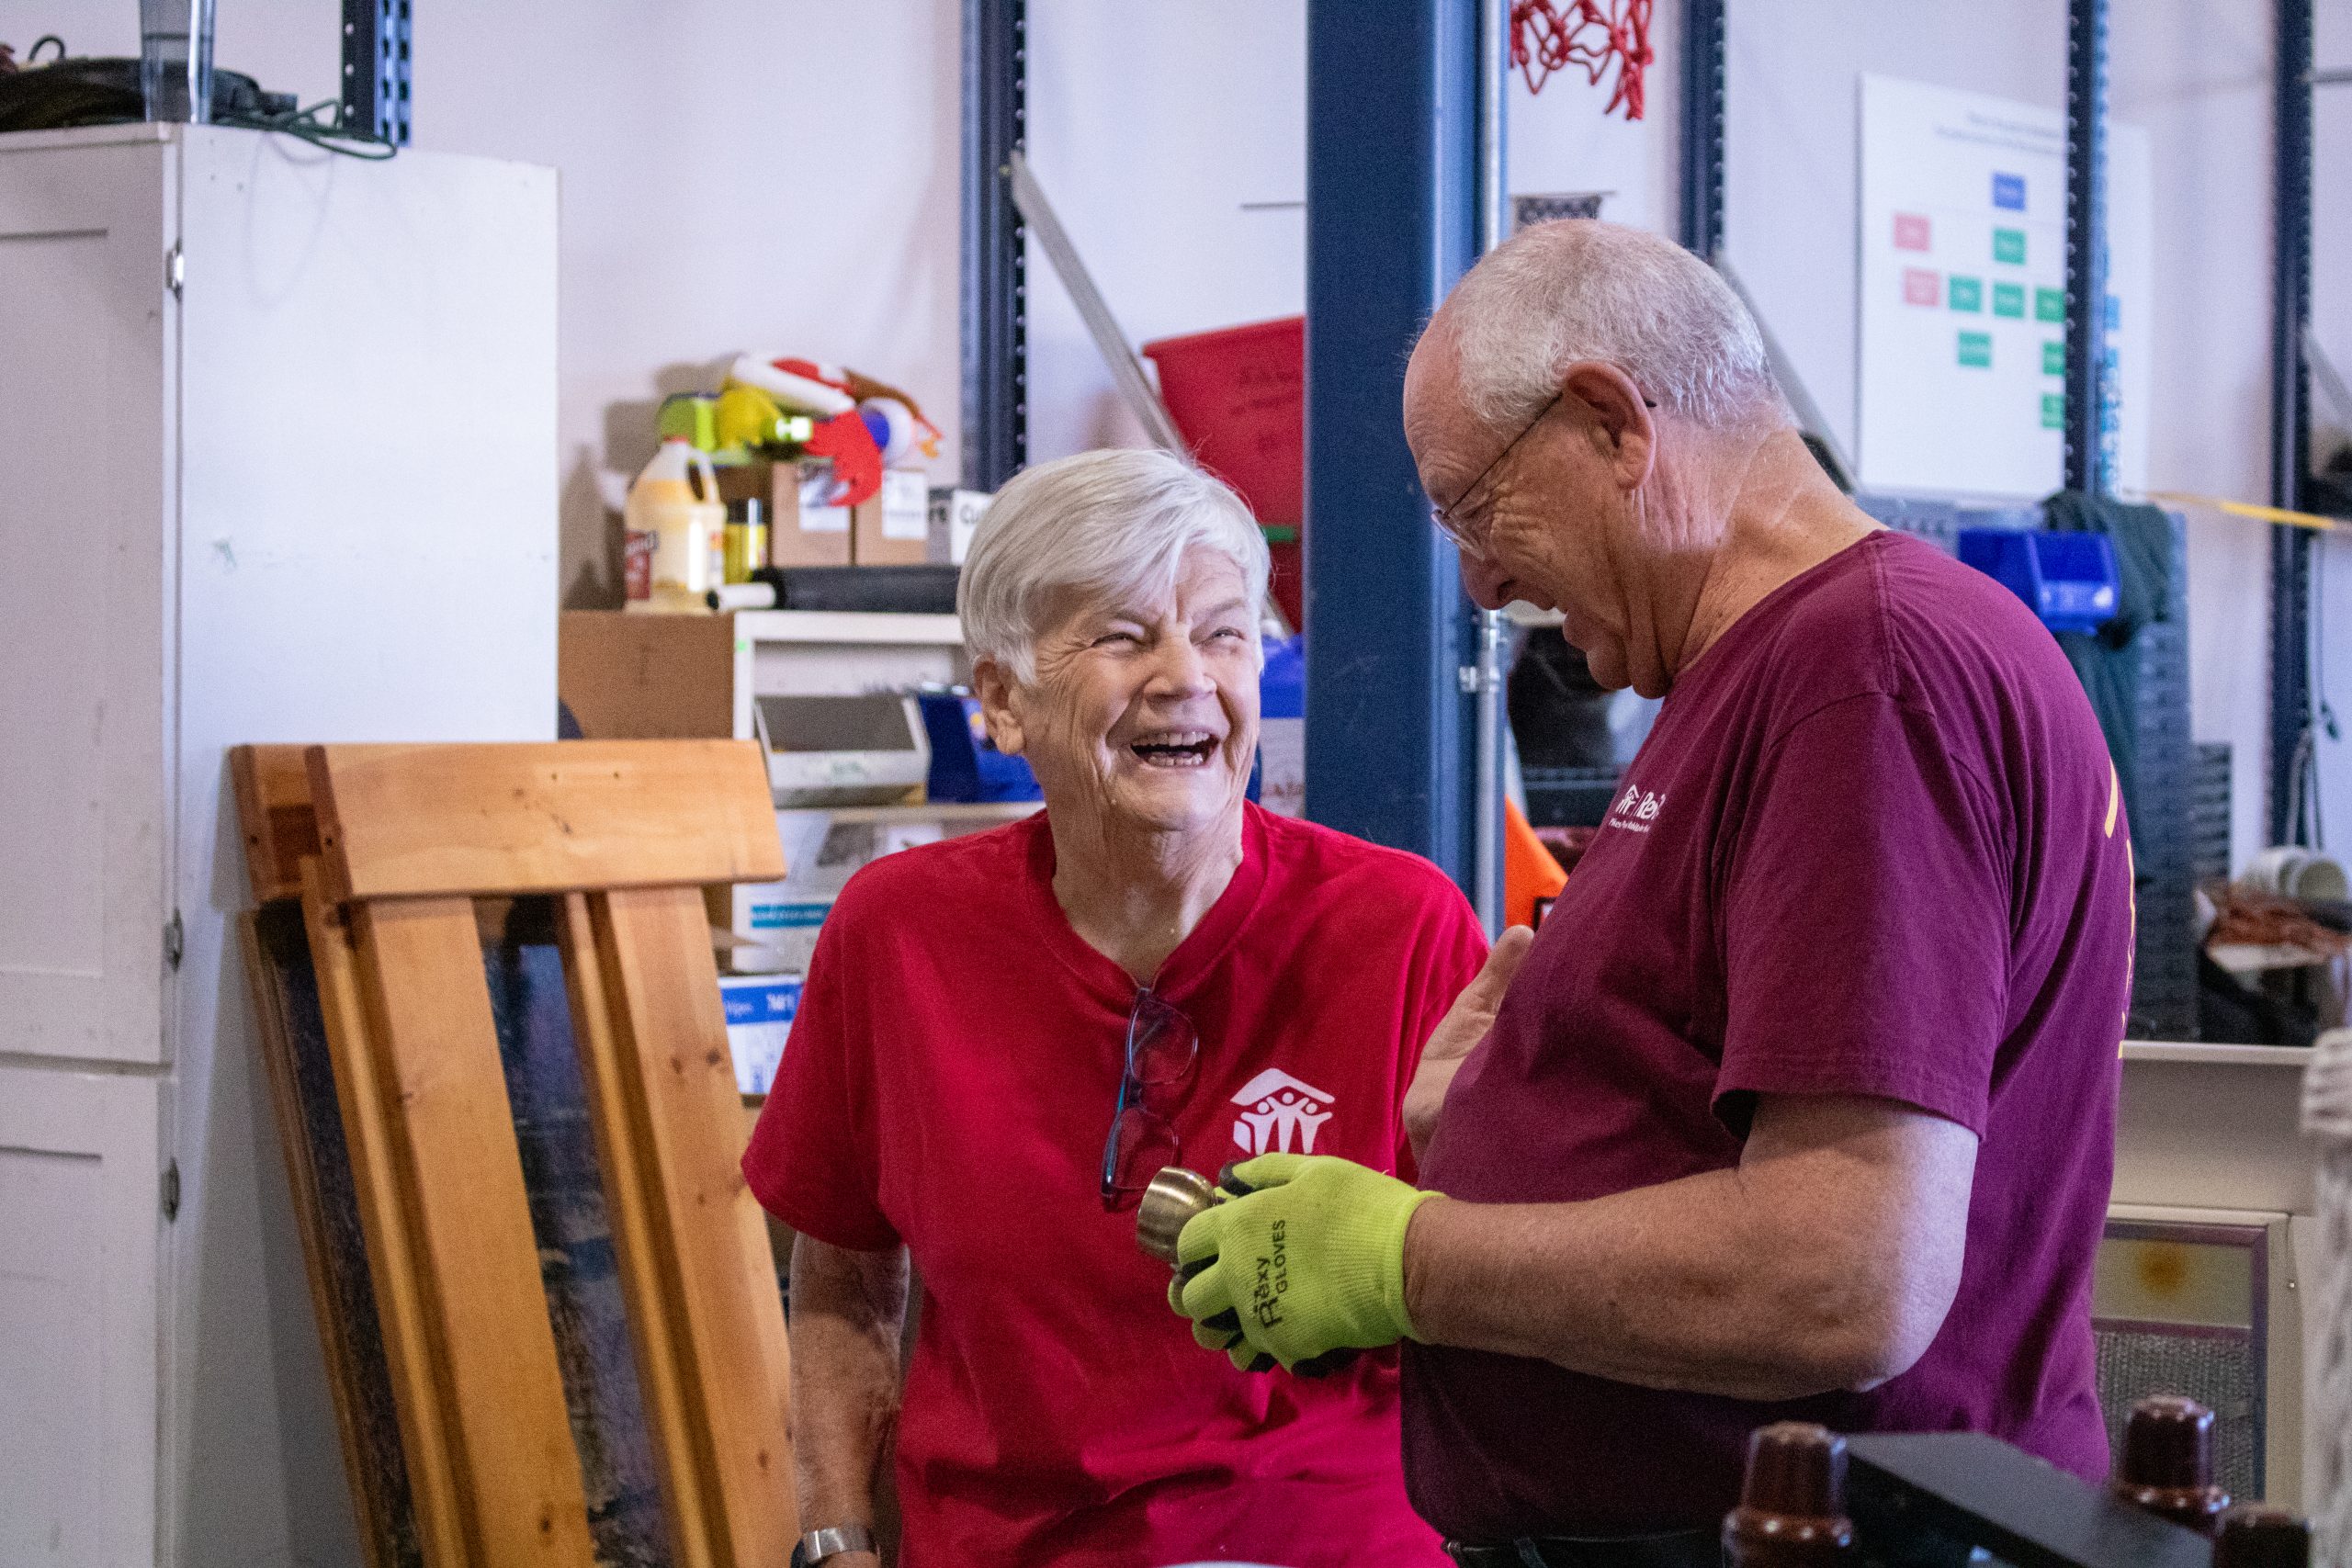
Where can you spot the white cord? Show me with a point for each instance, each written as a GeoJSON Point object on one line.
{"type": "Point", "coordinates": [2327, 1117]}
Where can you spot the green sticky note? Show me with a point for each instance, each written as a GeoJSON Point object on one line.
{"type": "Point", "coordinates": [2053, 358]}
{"type": "Point", "coordinates": [2008, 245]}
{"type": "Point", "coordinates": [2053, 410]}
{"type": "Point", "coordinates": [2008, 300]}
{"type": "Point", "coordinates": [1966, 293]}
{"type": "Point", "coordinates": [2049, 304]}
{"type": "Point", "coordinates": [1977, 350]}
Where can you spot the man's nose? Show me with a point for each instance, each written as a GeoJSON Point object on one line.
{"type": "Point", "coordinates": [1484, 581]}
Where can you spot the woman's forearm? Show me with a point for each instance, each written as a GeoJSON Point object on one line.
{"type": "Point", "coordinates": [847, 1309]}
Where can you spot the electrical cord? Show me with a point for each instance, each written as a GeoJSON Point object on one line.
{"type": "Point", "coordinates": [329, 134]}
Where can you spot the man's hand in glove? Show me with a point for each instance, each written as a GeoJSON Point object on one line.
{"type": "Point", "coordinates": [1308, 1262]}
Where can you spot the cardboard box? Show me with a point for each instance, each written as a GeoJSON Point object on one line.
{"type": "Point", "coordinates": [955, 515]}
{"type": "Point", "coordinates": [802, 530]}
{"type": "Point", "coordinates": [892, 527]}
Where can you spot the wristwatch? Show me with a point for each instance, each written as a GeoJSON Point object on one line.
{"type": "Point", "coordinates": [833, 1541]}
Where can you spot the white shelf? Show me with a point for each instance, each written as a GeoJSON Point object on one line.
{"type": "Point", "coordinates": [862, 627]}
{"type": "Point", "coordinates": [2197, 1052]}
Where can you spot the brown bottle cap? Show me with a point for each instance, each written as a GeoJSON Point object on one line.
{"type": "Point", "coordinates": [1792, 1504]}
{"type": "Point", "coordinates": [2262, 1538]}
{"type": "Point", "coordinates": [2167, 1465]}
{"type": "Point", "coordinates": [2168, 1441]}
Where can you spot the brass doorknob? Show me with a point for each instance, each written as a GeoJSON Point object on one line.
{"type": "Point", "coordinates": [1174, 1196]}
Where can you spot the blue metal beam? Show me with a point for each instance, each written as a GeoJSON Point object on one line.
{"type": "Point", "coordinates": [2290, 548]}
{"type": "Point", "coordinates": [2090, 422]}
{"type": "Point", "coordinates": [1703, 70]}
{"type": "Point", "coordinates": [995, 291]}
{"type": "Point", "coordinates": [1392, 220]}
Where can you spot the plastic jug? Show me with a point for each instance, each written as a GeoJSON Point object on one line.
{"type": "Point", "coordinates": [688, 528]}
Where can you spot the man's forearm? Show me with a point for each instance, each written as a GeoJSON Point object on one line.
{"type": "Point", "coordinates": [1825, 1261]}
{"type": "Point", "coordinates": [847, 1308]}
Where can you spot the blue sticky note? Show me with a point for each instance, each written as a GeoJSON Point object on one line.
{"type": "Point", "coordinates": [2008, 191]}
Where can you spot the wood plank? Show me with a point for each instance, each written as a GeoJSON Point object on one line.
{"type": "Point", "coordinates": [392, 1266]}
{"type": "Point", "coordinates": [637, 1242]}
{"type": "Point", "coordinates": [272, 785]}
{"type": "Point", "coordinates": [408, 821]}
{"type": "Point", "coordinates": [709, 1245]}
{"type": "Point", "coordinates": [492, 1350]}
{"type": "Point", "coordinates": [274, 1037]}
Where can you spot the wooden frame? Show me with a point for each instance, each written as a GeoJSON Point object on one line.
{"type": "Point", "coordinates": [623, 835]}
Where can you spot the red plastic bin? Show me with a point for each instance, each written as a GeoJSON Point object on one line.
{"type": "Point", "coordinates": [1240, 397]}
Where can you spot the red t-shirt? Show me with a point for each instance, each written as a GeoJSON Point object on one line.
{"type": "Point", "coordinates": [1872, 847]}
{"type": "Point", "coordinates": [948, 1084]}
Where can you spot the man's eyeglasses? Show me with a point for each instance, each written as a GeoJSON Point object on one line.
{"type": "Point", "coordinates": [1162, 1050]}
{"type": "Point", "coordinates": [1449, 520]}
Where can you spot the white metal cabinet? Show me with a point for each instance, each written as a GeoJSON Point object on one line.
{"type": "Point", "coordinates": [84, 377]}
{"type": "Point", "coordinates": [78, 1179]}
{"type": "Point", "coordinates": [277, 463]}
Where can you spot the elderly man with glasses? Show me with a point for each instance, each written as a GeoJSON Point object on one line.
{"type": "Point", "coordinates": [1004, 1036]}
{"type": "Point", "coordinates": [1802, 1104]}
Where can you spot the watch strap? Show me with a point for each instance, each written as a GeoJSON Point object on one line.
{"type": "Point", "coordinates": [833, 1541]}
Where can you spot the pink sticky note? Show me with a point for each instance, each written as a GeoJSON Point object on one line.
{"type": "Point", "coordinates": [1910, 231]}
{"type": "Point", "coordinates": [1921, 287]}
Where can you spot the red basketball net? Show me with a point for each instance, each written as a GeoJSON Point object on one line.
{"type": "Point", "coordinates": [1552, 35]}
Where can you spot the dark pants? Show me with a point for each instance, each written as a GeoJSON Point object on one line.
{"type": "Point", "coordinates": [1685, 1549]}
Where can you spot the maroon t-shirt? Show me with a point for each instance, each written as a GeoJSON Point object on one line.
{"type": "Point", "coordinates": [1873, 846]}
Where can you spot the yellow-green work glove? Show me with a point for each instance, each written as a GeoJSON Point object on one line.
{"type": "Point", "coordinates": [1306, 1262]}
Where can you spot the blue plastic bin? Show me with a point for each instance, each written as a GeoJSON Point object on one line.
{"type": "Point", "coordinates": [965, 766]}
{"type": "Point", "coordinates": [2067, 579]}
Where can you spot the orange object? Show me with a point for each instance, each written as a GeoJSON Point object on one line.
{"type": "Point", "coordinates": [1529, 871]}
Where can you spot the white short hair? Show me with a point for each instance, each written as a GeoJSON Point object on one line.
{"type": "Point", "coordinates": [1111, 524]}
{"type": "Point", "coordinates": [1579, 289]}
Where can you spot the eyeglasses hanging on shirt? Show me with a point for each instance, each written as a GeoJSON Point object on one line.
{"type": "Point", "coordinates": [1163, 1048]}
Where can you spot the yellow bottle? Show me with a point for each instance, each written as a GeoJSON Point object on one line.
{"type": "Point", "coordinates": [676, 501]}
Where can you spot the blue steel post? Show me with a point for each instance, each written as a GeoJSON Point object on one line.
{"type": "Point", "coordinates": [376, 65]}
{"type": "Point", "coordinates": [2089, 422]}
{"type": "Point", "coordinates": [995, 287]}
{"type": "Point", "coordinates": [2290, 548]}
{"type": "Point", "coordinates": [1392, 220]}
{"type": "Point", "coordinates": [1704, 69]}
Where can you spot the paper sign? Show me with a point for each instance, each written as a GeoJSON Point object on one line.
{"type": "Point", "coordinates": [1957, 393]}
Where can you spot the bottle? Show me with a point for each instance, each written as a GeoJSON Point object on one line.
{"type": "Point", "coordinates": [2262, 1538]}
{"type": "Point", "coordinates": [2168, 1467]}
{"type": "Point", "coordinates": [688, 527]}
{"type": "Point", "coordinates": [1792, 1510]}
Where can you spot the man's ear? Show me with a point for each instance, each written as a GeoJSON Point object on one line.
{"type": "Point", "coordinates": [995, 687]}
{"type": "Point", "coordinates": [1618, 417]}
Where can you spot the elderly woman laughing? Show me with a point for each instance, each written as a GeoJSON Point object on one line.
{"type": "Point", "coordinates": [1004, 1035]}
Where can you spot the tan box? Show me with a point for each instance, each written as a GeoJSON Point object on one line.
{"type": "Point", "coordinates": [892, 527]}
{"type": "Point", "coordinates": [801, 533]}
{"type": "Point", "coordinates": [647, 677]}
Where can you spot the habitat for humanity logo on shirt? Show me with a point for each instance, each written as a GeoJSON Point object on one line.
{"type": "Point", "coordinates": [1636, 809]}
{"type": "Point", "coordinates": [1279, 1114]}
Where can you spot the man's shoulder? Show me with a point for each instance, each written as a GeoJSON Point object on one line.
{"type": "Point", "coordinates": [1895, 616]}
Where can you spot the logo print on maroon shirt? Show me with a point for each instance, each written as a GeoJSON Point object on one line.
{"type": "Point", "coordinates": [1636, 809]}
